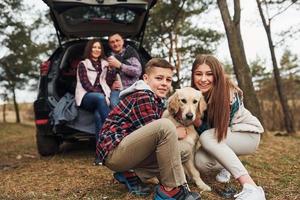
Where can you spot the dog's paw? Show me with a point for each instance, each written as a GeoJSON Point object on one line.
{"type": "Point", "coordinates": [204, 187]}
{"type": "Point", "coordinates": [152, 180]}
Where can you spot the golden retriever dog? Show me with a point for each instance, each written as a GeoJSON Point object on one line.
{"type": "Point", "coordinates": [183, 107]}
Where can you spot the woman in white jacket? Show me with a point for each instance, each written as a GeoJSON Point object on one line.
{"type": "Point", "coordinates": [227, 129]}
{"type": "Point", "coordinates": [94, 83]}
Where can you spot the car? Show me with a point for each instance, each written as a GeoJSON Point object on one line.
{"type": "Point", "coordinates": [77, 21]}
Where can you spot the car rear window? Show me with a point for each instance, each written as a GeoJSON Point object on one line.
{"type": "Point", "coordinates": [78, 15]}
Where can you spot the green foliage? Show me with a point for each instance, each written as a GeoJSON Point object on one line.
{"type": "Point", "coordinates": [259, 70]}
{"type": "Point", "coordinates": [263, 79]}
{"type": "Point", "coordinates": [290, 74]}
{"type": "Point", "coordinates": [228, 68]}
{"type": "Point", "coordinates": [290, 64]}
{"type": "Point", "coordinates": [20, 60]}
{"type": "Point", "coordinates": [266, 90]}
{"type": "Point", "coordinates": [174, 18]}
{"type": "Point", "coordinates": [171, 33]}
{"type": "Point", "coordinates": [290, 70]}
{"type": "Point", "coordinates": [8, 10]}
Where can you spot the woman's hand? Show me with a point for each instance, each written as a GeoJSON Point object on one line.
{"type": "Point", "coordinates": [197, 122]}
{"type": "Point", "coordinates": [181, 132]}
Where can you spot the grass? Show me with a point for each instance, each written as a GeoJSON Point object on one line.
{"type": "Point", "coordinates": [71, 175]}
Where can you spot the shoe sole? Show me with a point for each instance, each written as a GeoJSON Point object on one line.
{"type": "Point", "coordinates": [121, 179]}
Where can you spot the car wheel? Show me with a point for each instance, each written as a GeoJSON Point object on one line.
{"type": "Point", "coordinates": [46, 145]}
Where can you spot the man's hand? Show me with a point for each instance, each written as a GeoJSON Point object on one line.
{"type": "Point", "coordinates": [116, 85]}
{"type": "Point", "coordinates": [181, 132]}
{"type": "Point", "coordinates": [113, 62]}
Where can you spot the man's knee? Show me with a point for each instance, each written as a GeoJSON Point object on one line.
{"type": "Point", "coordinates": [166, 128]}
{"type": "Point", "coordinates": [185, 155]}
{"type": "Point", "coordinates": [167, 125]}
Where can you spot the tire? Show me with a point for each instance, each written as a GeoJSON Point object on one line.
{"type": "Point", "coordinates": [46, 145]}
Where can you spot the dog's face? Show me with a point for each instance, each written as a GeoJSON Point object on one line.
{"type": "Point", "coordinates": [185, 104]}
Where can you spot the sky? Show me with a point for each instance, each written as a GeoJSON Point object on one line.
{"type": "Point", "coordinates": [253, 34]}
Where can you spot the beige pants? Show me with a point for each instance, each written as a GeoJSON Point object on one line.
{"type": "Point", "coordinates": [215, 156]}
{"type": "Point", "coordinates": [150, 151]}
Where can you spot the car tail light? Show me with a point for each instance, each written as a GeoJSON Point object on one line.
{"type": "Point", "coordinates": [41, 121]}
{"type": "Point", "coordinates": [44, 68]}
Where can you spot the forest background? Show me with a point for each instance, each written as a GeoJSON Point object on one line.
{"type": "Point", "coordinates": [258, 43]}
{"type": "Point", "coordinates": [178, 31]}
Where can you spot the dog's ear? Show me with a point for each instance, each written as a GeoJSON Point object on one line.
{"type": "Point", "coordinates": [173, 104]}
{"type": "Point", "coordinates": [201, 107]}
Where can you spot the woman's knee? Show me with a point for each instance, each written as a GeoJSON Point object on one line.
{"type": "Point", "coordinates": [93, 97]}
{"type": "Point", "coordinates": [203, 162]}
{"type": "Point", "coordinates": [256, 141]}
{"type": "Point", "coordinates": [99, 96]}
{"type": "Point", "coordinates": [243, 143]}
{"type": "Point", "coordinates": [100, 101]}
{"type": "Point", "coordinates": [208, 139]}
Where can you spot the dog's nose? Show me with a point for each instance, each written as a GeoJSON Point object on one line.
{"type": "Point", "coordinates": [189, 115]}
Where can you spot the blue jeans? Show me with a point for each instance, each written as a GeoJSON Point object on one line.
{"type": "Point", "coordinates": [114, 98]}
{"type": "Point", "coordinates": [95, 102]}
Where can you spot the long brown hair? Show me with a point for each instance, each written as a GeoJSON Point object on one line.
{"type": "Point", "coordinates": [218, 98]}
{"type": "Point", "coordinates": [89, 46]}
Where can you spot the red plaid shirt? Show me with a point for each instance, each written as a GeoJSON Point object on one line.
{"type": "Point", "coordinates": [134, 111]}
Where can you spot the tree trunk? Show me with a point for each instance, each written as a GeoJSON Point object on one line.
{"type": "Point", "coordinates": [283, 100]}
{"type": "Point", "coordinates": [238, 56]}
{"type": "Point", "coordinates": [171, 47]}
{"type": "Point", "coordinates": [4, 112]}
{"type": "Point", "coordinates": [178, 63]}
{"type": "Point", "coordinates": [16, 106]}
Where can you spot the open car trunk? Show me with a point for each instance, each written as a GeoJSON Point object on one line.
{"type": "Point", "coordinates": [99, 18]}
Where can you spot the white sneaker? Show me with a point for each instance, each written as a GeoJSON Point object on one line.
{"type": "Point", "coordinates": [251, 192]}
{"type": "Point", "coordinates": [223, 176]}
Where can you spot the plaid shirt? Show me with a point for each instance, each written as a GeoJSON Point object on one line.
{"type": "Point", "coordinates": [86, 83]}
{"type": "Point", "coordinates": [134, 111]}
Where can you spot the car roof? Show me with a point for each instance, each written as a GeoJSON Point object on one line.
{"type": "Point", "coordinates": [99, 18]}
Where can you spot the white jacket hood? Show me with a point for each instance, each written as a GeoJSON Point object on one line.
{"type": "Point", "coordinates": [137, 86]}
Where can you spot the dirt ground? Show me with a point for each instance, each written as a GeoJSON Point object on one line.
{"type": "Point", "coordinates": [71, 175]}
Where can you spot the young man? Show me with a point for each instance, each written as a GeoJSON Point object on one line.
{"type": "Point", "coordinates": [135, 137]}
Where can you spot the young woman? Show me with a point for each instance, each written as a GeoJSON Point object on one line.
{"type": "Point", "coordinates": [227, 130]}
{"type": "Point", "coordinates": [93, 83]}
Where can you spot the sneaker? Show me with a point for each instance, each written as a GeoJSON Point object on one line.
{"type": "Point", "coordinates": [251, 192]}
{"type": "Point", "coordinates": [223, 176]}
{"type": "Point", "coordinates": [133, 183]}
{"type": "Point", "coordinates": [184, 193]}
{"type": "Point", "coordinates": [228, 192]}
{"type": "Point", "coordinates": [97, 161]}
